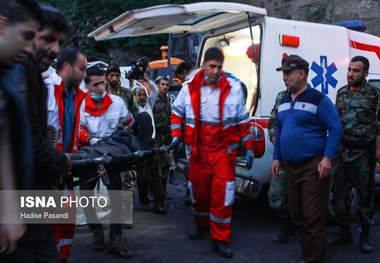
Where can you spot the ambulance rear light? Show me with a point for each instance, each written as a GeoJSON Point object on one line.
{"type": "Point", "coordinates": [289, 41]}
{"type": "Point", "coordinates": [259, 142]}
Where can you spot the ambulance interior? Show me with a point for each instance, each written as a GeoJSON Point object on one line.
{"type": "Point", "coordinates": [234, 46]}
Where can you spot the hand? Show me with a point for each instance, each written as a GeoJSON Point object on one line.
{"type": "Point", "coordinates": [275, 166]}
{"type": "Point", "coordinates": [250, 158]}
{"type": "Point", "coordinates": [94, 141]}
{"type": "Point", "coordinates": [175, 140]}
{"type": "Point", "coordinates": [127, 74]}
{"type": "Point", "coordinates": [9, 234]}
{"type": "Point", "coordinates": [272, 139]}
{"type": "Point", "coordinates": [324, 167]}
{"type": "Point", "coordinates": [146, 78]}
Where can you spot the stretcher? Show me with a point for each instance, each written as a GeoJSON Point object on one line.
{"type": "Point", "coordinates": [93, 162]}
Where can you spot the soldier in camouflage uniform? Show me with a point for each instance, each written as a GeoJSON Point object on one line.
{"type": "Point", "coordinates": [358, 105]}
{"type": "Point", "coordinates": [127, 178]}
{"type": "Point", "coordinates": [278, 194]}
{"type": "Point", "coordinates": [113, 79]}
{"type": "Point", "coordinates": [161, 112]}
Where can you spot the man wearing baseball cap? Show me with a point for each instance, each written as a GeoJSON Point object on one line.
{"type": "Point", "coordinates": [305, 118]}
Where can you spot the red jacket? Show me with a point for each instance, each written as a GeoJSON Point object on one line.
{"type": "Point", "coordinates": [233, 114]}
{"type": "Point", "coordinates": [55, 87]}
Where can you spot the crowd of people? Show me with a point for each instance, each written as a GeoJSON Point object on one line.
{"type": "Point", "coordinates": [45, 119]}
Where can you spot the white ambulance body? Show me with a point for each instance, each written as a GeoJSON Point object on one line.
{"type": "Point", "coordinates": [327, 48]}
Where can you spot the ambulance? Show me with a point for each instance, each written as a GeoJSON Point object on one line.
{"type": "Point", "coordinates": [235, 28]}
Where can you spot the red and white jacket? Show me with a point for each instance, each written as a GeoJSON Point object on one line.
{"type": "Point", "coordinates": [56, 106]}
{"type": "Point", "coordinates": [102, 123]}
{"type": "Point", "coordinates": [233, 114]}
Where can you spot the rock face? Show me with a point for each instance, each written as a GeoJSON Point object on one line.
{"type": "Point", "coordinates": [325, 11]}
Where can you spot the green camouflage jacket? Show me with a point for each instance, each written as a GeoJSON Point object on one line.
{"type": "Point", "coordinates": [161, 112]}
{"type": "Point", "coordinates": [359, 114]}
{"type": "Point", "coordinates": [129, 99]}
{"type": "Point", "coordinates": [273, 114]}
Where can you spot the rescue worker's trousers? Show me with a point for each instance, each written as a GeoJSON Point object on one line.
{"type": "Point", "coordinates": [308, 198]}
{"type": "Point", "coordinates": [360, 175]}
{"type": "Point", "coordinates": [212, 185]}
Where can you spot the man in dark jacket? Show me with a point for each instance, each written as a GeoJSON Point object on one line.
{"type": "Point", "coordinates": [19, 21]}
{"type": "Point", "coordinates": [50, 164]}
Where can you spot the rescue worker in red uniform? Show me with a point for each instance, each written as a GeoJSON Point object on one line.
{"type": "Point", "coordinates": [213, 107]}
{"type": "Point", "coordinates": [64, 100]}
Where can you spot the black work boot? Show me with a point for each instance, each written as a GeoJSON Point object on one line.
{"type": "Point", "coordinates": [343, 238]}
{"type": "Point", "coordinates": [98, 234]}
{"type": "Point", "coordinates": [117, 248]}
{"type": "Point", "coordinates": [366, 245]}
{"type": "Point", "coordinates": [222, 248]}
{"type": "Point", "coordinates": [283, 235]}
{"type": "Point", "coordinates": [199, 233]}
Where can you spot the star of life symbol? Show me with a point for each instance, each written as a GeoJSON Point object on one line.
{"type": "Point", "coordinates": [324, 75]}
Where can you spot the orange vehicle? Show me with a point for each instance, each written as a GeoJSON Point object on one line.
{"type": "Point", "coordinates": [161, 68]}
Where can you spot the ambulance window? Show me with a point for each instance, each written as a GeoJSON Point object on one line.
{"type": "Point", "coordinates": [239, 58]}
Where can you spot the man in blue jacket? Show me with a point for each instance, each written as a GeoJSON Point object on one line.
{"type": "Point", "coordinates": [307, 140]}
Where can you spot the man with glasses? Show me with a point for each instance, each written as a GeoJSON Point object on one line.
{"type": "Point", "coordinates": [305, 118]}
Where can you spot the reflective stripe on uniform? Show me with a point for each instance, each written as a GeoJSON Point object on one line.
{"type": "Point", "coordinates": [210, 122]}
{"type": "Point", "coordinates": [228, 122]}
{"type": "Point", "coordinates": [248, 137]}
{"type": "Point", "coordinates": [64, 242]}
{"type": "Point", "coordinates": [190, 187]}
{"type": "Point", "coordinates": [200, 213]}
{"type": "Point", "coordinates": [243, 118]}
{"type": "Point", "coordinates": [175, 126]}
{"type": "Point", "coordinates": [177, 111]}
{"type": "Point", "coordinates": [190, 121]}
{"type": "Point", "coordinates": [220, 220]}
{"type": "Point", "coordinates": [232, 147]}
{"type": "Point", "coordinates": [229, 197]}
